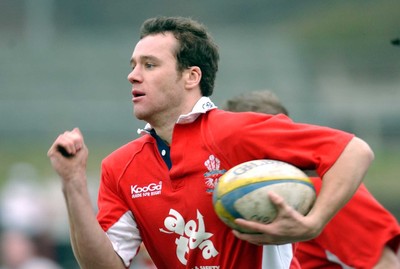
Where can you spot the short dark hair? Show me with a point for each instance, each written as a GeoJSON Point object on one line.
{"type": "Point", "coordinates": [256, 101]}
{"type": "Point", "coordinates": [196, 47]}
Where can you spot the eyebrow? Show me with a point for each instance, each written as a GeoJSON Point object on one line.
{"type": "Point", "coordinates": [143, 59]}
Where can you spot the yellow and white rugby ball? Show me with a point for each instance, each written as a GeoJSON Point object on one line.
{"type": "Point", "coordinates": [242, 191]}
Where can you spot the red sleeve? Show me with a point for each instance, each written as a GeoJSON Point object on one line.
{"type": "Point", "coordinates": [357, 234]}
{"type": "Point", "coordinates": [110, 203]}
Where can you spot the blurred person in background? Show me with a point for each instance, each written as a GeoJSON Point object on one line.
{"type": "Point", "coordinates": [22, 199]}
{"type": "Point", "coordinates": [18, 250]}
{"type": "Point", "coordinates": [158, 188]}
{"type": "Point", "coordinates": [362, 235]}
{"type": "Point", "coordinates": [25, 222]}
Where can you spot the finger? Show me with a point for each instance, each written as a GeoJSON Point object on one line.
{"type": "Point", "coordinates": [64, 152]}
{"type": "Point", "coordinates": [278, 201]}
{"type": "Point", "coordinates": [253, 226]}
{"type": "Point", "coordinates": [284, 210]}
{"type": "Point", "coordinates": [68, 143]}
{"type": "Point", "coordinates": [78, 139]}
{"type": "Point", "coordinates": [255, 239]}
{"type": "Point", "coordinates": [61, 145]}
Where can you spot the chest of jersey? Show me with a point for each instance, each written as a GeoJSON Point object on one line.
{"type": "Point", "coordinates": [174, 207]}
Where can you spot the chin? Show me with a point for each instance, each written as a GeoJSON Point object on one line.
{"type": "Point", "coordinates": [139, 115]}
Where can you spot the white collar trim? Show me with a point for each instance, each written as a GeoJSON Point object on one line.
{"type": "Point", "coordinates": [202, 106]}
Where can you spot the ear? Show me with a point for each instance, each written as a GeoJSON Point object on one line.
{"type": "Point", "coordinates": [193, 77]}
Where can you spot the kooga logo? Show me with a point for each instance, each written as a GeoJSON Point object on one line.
{"type": "Point", "coordinates": [149, 190]}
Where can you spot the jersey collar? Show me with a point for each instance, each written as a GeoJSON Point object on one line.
{"type": "Point", "coordinates": [202, 106]}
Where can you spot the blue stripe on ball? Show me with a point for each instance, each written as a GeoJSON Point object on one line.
{"type": "Point", "coordinates": [228, 199]}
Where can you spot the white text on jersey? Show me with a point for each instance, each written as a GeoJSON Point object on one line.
{"type": "Point", "coordinates": [191, 235]}
{"type": "Point", "coordinates": [146, 191]}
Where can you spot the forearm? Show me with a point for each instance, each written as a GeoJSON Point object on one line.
{"type": "Point", "coordinates": [91, 246]}
{"type": "Point", "coordinates": [341, 181]}
{"type": "Point", "coordinates": [339, 184]}
{"type": "Point", "coordinates": [388, 260]}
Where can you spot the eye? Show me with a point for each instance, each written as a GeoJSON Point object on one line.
{"type": "Point", "coordinates": [149, 65]}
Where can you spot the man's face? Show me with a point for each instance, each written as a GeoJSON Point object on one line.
{"type": "Point", "coordinates": [157, 87]}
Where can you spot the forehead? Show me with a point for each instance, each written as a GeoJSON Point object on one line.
{"type": "Point", "coordinates": [158, 46]}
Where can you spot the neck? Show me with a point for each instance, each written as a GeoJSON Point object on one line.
{"type": "Point", "coordinates": [165, 132]}
{"type": "Point", "coordinates": [164, 124]}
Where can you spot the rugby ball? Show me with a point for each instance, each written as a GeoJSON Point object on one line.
{"type": "Point", "coordinates": [242, 191]}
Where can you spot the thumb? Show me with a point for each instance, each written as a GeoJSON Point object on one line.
{"type": "Point", "coordinates": [277, 200]}
{"type": "Point", "coordinates": [77, 131]}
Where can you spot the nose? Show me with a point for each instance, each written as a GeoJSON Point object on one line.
{"type": "Point", "coordinates": [134, 76]}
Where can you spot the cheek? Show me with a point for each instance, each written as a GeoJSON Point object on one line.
{"type": "Point", "coordinates": [170, 87]}
{"type": "Point", "coordinates": [169, 96]}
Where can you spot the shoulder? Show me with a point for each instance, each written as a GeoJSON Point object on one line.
{"type": "Point", "coordinates": [247, 124]}
{"type": "Point", "coordinates": [220, 113]}
{"type": "Point", "coordinates": [124, 154]}
{"type": "Point", "coordinates": [224, 118]}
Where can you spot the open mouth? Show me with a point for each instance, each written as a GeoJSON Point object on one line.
{"type": "Point", "coordinates": [136, 94]}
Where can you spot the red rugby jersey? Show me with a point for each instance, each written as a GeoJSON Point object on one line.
{"type": "Point", "coordinates": [171, 211]}
{"type": "Point", "coordinates": [354, 238]}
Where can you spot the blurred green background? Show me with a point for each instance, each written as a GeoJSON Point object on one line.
{"type": "Point", "coordinates": [64, 64]}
